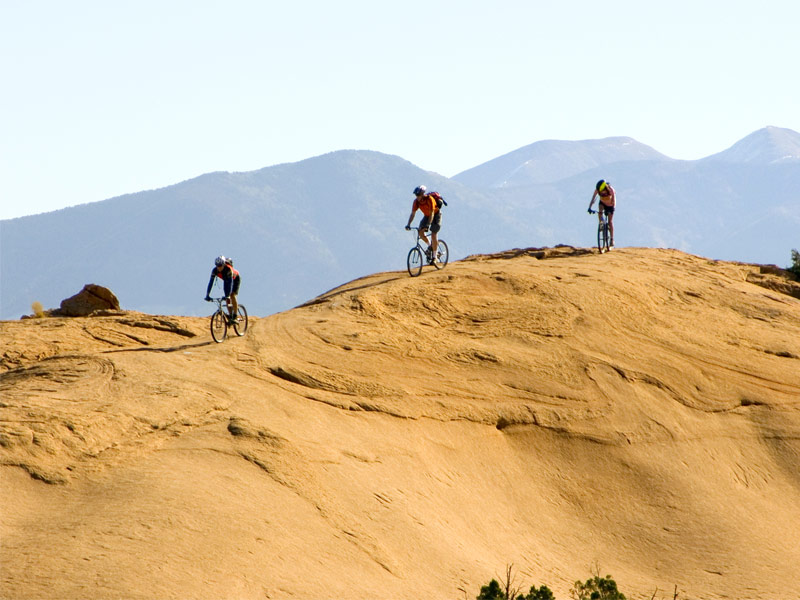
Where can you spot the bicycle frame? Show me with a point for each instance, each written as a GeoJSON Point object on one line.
{"type": "Point", "coordinates": [221, 317]}
{"type": "Point", "coordinates": [419, 239]}
{"type": "Point", "coordinates": [419, 256]}
{"type": "Point", "coordinates": [220, 301]}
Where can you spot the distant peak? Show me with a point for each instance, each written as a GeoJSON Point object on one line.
{"type": "Point", "coordinates": [547, 161]}
{"type": "Point", "coordinates": [768, 145]}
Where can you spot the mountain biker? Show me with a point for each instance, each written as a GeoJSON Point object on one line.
{"type": "Point", "coordinates": [432, 217]}
{"type": "Point", "coordinates": [223, 268]}
{"type": "Point", "coordinates": [606, 201]}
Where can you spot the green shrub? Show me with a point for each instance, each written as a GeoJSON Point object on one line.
{"type": "Point", "coordinates": [597, 588]}
{"type": "Point", "coordinates": [543, 593]}
{"type": "Point", "coordinates": [509, 591]}
{"type": "Point", "coordinates": [795, 268]}
{"type": "Point", "coordinates": [493, 591]}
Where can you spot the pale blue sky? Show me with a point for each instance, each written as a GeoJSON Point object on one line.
{"type": "Point", "coordinates": [103, 98]}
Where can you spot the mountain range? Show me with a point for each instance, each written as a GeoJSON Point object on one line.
{"type": "Point", "coordinates": [296, 230]}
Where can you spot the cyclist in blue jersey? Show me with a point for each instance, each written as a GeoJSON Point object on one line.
{"type": "Point", "coordinates": [223, 268]}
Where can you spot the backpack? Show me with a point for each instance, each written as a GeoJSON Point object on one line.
{"type": "Point", "coordinates": [439, 200]}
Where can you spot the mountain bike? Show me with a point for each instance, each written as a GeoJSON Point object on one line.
{"type": "Point", "coordinates": [222, 318]}
{"type": "Point", "coordinates": [602, 232]}
{"type": "Point", "coordinates": [418, 256]}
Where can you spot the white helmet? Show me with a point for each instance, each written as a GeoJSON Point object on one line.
{"type": "Point", "coordinates": [419, 190]}
{"type": "Point", "coordinates": [219, 261]}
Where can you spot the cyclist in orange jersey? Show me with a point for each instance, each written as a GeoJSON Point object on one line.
{"type": "Point", "coordinates": [432, 217]}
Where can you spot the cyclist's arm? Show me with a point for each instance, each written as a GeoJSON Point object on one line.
{"type": "Point", "coordinates": [411, 218]}
{"type": "Point", "coordinates": [594, 195]}
{"type": "Point", "coordinates": [210, 284]}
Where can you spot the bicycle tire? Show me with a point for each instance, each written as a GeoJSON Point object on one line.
{"type": "Point", "coordinates": [442, 254]}
{"type": "Point", "coordinates": [415, 261]}
{"type": "Point", "coordinates": [219, 327]}
{"type": "Point", "coordinates": [240, 326]}
{"type": "Point", "coordinates": [599, 238]}
{"type": "Point", "coordinates": [602, 237]}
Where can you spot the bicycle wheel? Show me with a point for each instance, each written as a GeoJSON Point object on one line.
{"type": "Point", "coordinates": [602, 237]}
{"type": "Point", "coordinates": [443, 254]}
{"type": "Point", "coordinates": [219, 326]}
{"type": "Point", "coordinates": [415, 261]}
{"type": "Point", "coordinates": [240, 326]}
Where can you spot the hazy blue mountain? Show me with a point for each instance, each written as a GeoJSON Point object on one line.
{"type": "Point", "coordinates": [770, 145]}
{"type": "Point", "coordinates": [741, 204]}
{"type": "Point", "coordinates": [552, 160]}
{"type": "Point", "coordinates": [749, 213]}
{"type": "Point", "coordinates": [296, 230]}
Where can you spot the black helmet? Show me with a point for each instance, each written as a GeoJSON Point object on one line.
{"type": "Point", "coordinates": [419, 190]}
{"type": "Point", "coordinates": [600, 185]}
{"type": "Point", "coordinates": [219, 261]}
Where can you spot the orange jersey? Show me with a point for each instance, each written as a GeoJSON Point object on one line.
{"type": "Point", "coordinates": [427, 204]}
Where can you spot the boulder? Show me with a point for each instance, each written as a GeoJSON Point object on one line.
{"type": "Point", "coordinates": [90, 299]}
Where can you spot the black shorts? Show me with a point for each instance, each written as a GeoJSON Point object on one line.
{"type": "Point", "coordinates": [435, 226]}
{"type": "Point", "coordinates": [608, 209]}
{"type": "Point", "coordinates": [232, 285]}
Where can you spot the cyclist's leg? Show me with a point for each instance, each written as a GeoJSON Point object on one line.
{"type": "Point", "coordinates": [611, 226]}
{"type": "Point", "coordinates": [436, 225]}
{"type": "Point", "coordinates": [235, 296]}
{"type": "Point", "coordinates": [227, 288]}
{"type": "Point", "coordinates": [423, 226]}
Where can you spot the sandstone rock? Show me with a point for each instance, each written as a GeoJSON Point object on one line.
{"type": "Point", "coordinates": [781, 284]}
{"type": "Point", "coordinates": [90, 299]}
